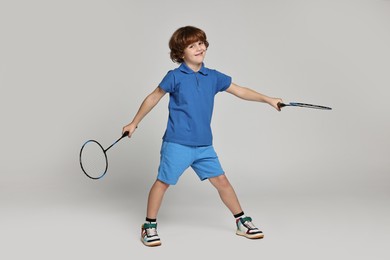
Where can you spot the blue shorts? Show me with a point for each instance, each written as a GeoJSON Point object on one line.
{"type": "Point", "coordinates": [176, 158]}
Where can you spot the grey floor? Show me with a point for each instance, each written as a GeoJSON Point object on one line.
{"type": "Point", "coordinates": [51, 222]}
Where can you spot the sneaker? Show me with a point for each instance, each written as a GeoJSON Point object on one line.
{"type": "Point", "coordinates": [149, 234]}
{"type": "Point", "coordinates": [246, 228]}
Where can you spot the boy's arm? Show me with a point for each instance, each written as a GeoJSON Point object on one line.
{"type": "Point", "coordinates": [147, 105]}
{"type": "Point", "coordinates": [251, 95]}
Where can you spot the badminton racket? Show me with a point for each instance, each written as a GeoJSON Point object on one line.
{"type": "Point", "coordinates": [93, 158]}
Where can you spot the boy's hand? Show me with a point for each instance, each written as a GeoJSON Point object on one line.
{"type": "Point", "coordinates": [129, 128]}
{"type": "Point", "coordinates": [274, 102]}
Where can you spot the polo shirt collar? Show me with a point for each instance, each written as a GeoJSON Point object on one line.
{"type": "Point", "coordinates": [184, 68]}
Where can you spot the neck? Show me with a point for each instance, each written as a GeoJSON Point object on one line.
{"type": "Point", "coordinates": [194, 67]}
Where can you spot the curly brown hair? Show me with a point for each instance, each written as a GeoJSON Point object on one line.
{"type": "Point", "coordinates": [183, 37]}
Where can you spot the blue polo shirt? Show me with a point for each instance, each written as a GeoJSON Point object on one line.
{"type": "Point", "coordinates": [191, 103]}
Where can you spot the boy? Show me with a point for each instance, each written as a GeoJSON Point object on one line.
{"type": "Point", "coordinates": [188, 138]}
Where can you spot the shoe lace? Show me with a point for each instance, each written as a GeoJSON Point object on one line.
{"type": "Point", "coordinates": [250, 225]}
{"type": "Point", "coordinates": [151, 231]}
{"type": "Point", "coordinates": [247, 222]}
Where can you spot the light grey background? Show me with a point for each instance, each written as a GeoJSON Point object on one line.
{"type": "Point", "coordinates": [317, 182]}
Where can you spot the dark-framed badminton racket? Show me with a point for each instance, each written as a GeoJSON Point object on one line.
{"type": "Point", "coordinates": [93, 158]}
{"type": "Point", "coordinates": [295, 104]}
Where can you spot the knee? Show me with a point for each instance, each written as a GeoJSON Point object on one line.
{"type": "Point", "coordinates": [161, 185]}
{"type": "Point", "coordinates": [221, 182]}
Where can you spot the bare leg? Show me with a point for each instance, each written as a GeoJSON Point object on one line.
{"type": "Point", "coordinates": [156, 195]}
{"type": "Point", "coordinates": [227, 193]}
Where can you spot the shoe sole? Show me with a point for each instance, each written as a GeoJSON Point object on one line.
{"type": "Point", "coordinates": [151, 244]}
{"type": "Point", "coordinates": [250, 236]}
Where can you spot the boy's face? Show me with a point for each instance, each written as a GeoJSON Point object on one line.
{"type": "Point", "coordinates": [195, 53]}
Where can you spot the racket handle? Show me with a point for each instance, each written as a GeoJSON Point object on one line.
{"type": "Point", "coordinates": [280, 105]}
{"type": "Point", "coordinates": [125, 134]}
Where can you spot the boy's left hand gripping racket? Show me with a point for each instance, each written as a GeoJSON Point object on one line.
{"type": "Point", "coordinates": [93, 158]}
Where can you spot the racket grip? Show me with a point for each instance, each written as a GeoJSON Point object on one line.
{"type": "Point", "coordinates": [280, 105]}
{"type": "Point", "coordinates": [125, 134]}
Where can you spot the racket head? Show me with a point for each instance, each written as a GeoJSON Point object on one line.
{"type": "Point", "coordinates": [93, 160]}
{"type": "Point", "coordinates": [296, 104]}
{"type": "Point", "coordinates": [310, 106]}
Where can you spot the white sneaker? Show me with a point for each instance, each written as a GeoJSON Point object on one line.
{"type": "Point", "coordinates": [246, 228]}
{"type": "Point", "coordinates": [149, 235]}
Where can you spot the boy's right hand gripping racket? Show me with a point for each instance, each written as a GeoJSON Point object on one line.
{"type": "Point", "coordinates": [295, 104]}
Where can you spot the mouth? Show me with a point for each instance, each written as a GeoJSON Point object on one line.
{"type": "Point", "coordinates": [199, 54]}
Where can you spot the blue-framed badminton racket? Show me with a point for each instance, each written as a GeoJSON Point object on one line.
{"type": "Point", "coordinates": [93, 158]}
{"type": "Point", "coordinates": [295, 104]}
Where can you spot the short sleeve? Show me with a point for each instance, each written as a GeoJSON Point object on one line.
{"type": "Point", "coordinates": [223, 81]}
{"type": "Point", "coordinates": [168, 82]}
